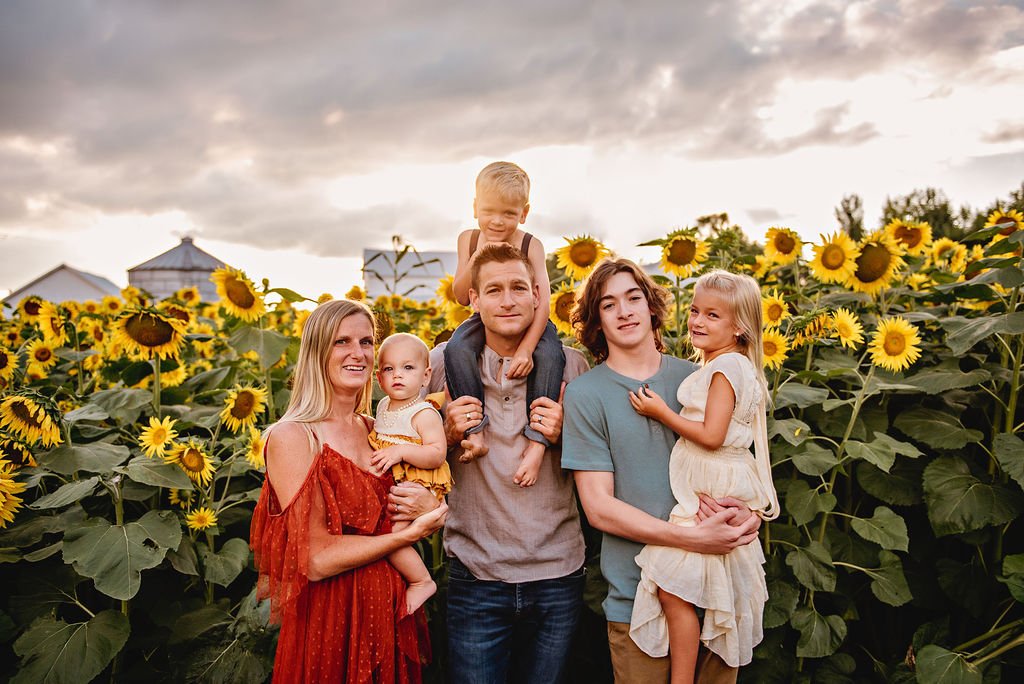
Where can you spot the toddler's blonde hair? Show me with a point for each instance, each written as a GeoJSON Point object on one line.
{"type": "Point", "coordinates": [395, 338]}
{"type": "Point", "coordinates": [506, 180]}
{"type": "Point", "coordinates": [744, 297]}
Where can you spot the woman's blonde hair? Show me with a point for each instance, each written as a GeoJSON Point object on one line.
{"type": "Point", "coordinates": [744, 297]}
{"type": "Point", "coordinates": [311, 389]}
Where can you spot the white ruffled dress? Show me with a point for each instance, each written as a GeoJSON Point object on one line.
{"type": "Point", "coordinates": [730, 588]}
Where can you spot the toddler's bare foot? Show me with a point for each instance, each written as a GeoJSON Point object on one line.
{"type": "Point", "coordinates": [529, 469]}
{"type": "Point", "coordinates": [473, 447]}
{"type": "Point", "coordinates": [417, 593]}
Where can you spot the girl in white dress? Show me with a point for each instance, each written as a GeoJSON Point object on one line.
{"type": "Point", "coordinates": [723, 413]}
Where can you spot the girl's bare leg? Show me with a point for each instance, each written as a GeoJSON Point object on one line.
{"type": "Point", "coordinates": [410, 566]}
{"type": "Point", "coordinates": [683, 636]}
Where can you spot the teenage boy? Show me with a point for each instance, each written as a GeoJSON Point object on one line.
{"type": "Point", "coordinates": [621, 458]}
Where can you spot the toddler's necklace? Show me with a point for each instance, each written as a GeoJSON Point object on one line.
{"type": "Point", "coordinates": [392, 407]}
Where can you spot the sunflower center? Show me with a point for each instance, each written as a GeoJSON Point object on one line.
{"type": "Point", "coordinates": [833, 257]}
{"type": "Point", "coordinates": [785, 243]}
{"type": "Point", "coordinates": [909, 236]}
{"type": "Point", "coordinates": [681, 252]}
{"type": "Point", "coordinates": [770, 348]}
{"type": "Point", "coordinates": [159, 436]}
{"type": "Point", "coordinates": [97, 334]}
{"type": "Point", "coordinates": [25, 414]}
{"type": "Point", "coordinates": [894, 343]}
{"type": "Point", "coordinates": [243, 406]}
{"type": "Point", "coordinates": [844, 329]}
{"type": "Point", "coordinates": [5, 360]}
{"type": "Point", "coordinates": [774, 311]}
{"type": "Point", "coordinates": [193, 460]}
{"type": "Point", "coordinates": [148, 330]}
{"type": "Point", "coordinates": [32, 308]}
{"type": "Point", "coordinates": [180, 314]}
{"type": "Point", "coordinates": [42, 355]}
{"type": "Point", "coordinates": [583, 253]}
{"type": "Point", "coordinates": [563, 306]}
{"type": "Point", "coordinates": [239, 293]}
{"type": "Point", "coordinates": [873, 263]}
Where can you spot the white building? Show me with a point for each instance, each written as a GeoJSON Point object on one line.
{"type": "Point", "coordinates": [183, 266]}
{"type": "Point", "coordinates": [65, 283]}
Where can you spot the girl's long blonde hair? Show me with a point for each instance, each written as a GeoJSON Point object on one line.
{"type": "Point", "coordinates": [310, 401]}
{"type": "Point", "coordinates": [744, 297]}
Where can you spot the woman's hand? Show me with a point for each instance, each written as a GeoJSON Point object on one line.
{"type": "Point", "coordinates": [409, 500]}
{"type": "Point", "coordinates": [648, 403]}
{"type": "Point", "coordinates": [428, 523]}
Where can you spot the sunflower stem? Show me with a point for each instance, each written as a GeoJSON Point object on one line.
{"type": "Point", "coordinates": [156, 387]}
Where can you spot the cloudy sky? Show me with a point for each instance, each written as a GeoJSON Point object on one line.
{"type": "Point", "coordinates": [288, 136]}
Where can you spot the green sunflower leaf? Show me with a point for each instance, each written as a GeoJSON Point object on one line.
{"type": "Point", "coordinates": [901, 486]}
{"type": "Point", "coordinates": [960, 502]}
{"type": "Point", "coordinates": [98, 457]}
{"type": "Point", "coordinates": [804, 503]}
{"type": "Point", "coordinates": [782, 600]}
{"type": "Point", "coordinates": [936, 665]}
{"type": "Point", "coordinates": [267, 343]}
{"type": "Point", "coordinates": [876, 453]}
{"type": "Point", "coordinates": [813, 459]}
{"type": "Point", "coordinates": [55, 652]}
{"type": "Point", "coordinates": [1009, 452]}
{"type": "Point", "coordinates": [820, 635]}
{"type": "Point", "coordinates": [790, 429]}
{"type": "Point", "coordinates": [801, 396]}
{"type": "Point", "coordinates": [123, 405]}
{"type": "Point", "coordinates": [225, 565]}
{"type": "Point", "coordinates": [67, 494]}
{"type": "Point", "coordinates": [150, 471]}
{"type": "Point", "coordinates": [885, 528]}
{"type": "Point", "coordinates": [888, 583]}
{"type": "Point", "coordinates": [812, 565]}
{"type": "Point", "coordinates": [1013, 575]}
{"type": "Point", "coordinates": [936, 428]}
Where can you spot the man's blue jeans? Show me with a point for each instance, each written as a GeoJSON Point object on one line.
{"type": "Point", "coordinates": [500, 632]}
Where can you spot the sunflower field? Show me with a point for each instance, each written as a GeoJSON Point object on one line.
{"type": "Point", "coordinates": [131, 459]}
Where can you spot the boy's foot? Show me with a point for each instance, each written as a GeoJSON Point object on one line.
{"type": "Point", "coordinates": [473, 447]}
{"type": "Point", "coordinates": [417, 593]}
{"type": "Point", "coordinates": [529, 469]}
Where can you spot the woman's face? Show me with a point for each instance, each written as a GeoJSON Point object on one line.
{"type": "Point", "coordinates": [350, 362]}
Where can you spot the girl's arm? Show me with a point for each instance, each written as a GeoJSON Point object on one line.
{"type": "Point", "coordinates": [522, 361]}
{"type": "Point", "coordinates": [430, 454]}
{"type": "Point", "coordinates": [709, 433]}
{"type": "Point", "coordinates": [288, 461]}
{"type": "Point", "coordinates": [461, 283]}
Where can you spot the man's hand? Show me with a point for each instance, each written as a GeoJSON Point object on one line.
{"type": "Point", "coordinates": [648, 403]}
{"type": "Point", "coordinates": [546, 416]}
{"type": "Point", "coordinates": [521, 365]}
{"type": "Point", "coordinates": [719, 535]}
{"type": "Point", "coordinates": [409, 500]}
{"type": "Point", "coordinates": [460, 415]}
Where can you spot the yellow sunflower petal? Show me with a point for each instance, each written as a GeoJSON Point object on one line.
{"type": "Point", "coordinates": [237, 294]}
{"type": "Point", "coordinates": [914, 237]}
{"type": "Point", "coordinates": [580, 255]}
{"type": "Point", "coordinates": [782, 245]}
{"type": "Point", "coordinates": [562, 302]}
{"type": "Point", "coordinates": [201, 519]}
{"type": "Point", "coordinates": [683, 253]}
{"type": "Point", "coordinates": [775, 347]}
{"type": "Point", "coordinates": [846, 328]}
{"type": "Point", "coordinates": [243, 406]}
{"type": "Point", "coordinates": [191, 458]}
{"type": "Point", "coordinates": [895, 344]}
{"type": "Point", "coordinates": [835, 258]}
{"type": "Point", "coordinates": [877, 264]}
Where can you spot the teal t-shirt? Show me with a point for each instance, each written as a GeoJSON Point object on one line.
{"type": "Point", "coordinates": [602, 432]}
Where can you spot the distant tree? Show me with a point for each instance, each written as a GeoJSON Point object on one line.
{"type": "Point", "coordinates": [850, 214]}
{"type": "Point", "coordinates": [929, 205]}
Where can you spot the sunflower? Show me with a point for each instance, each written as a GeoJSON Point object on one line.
{"type": "Point", "coordinates": [1011, 220]}
{"type": "Point", "coordinates": [835, 258]}
{"type": "Point", "coordinates": [877, 264]}
{"type": "Point", "coordinates": [8, 363]}
{"type": "Point", "coordinates": [155, 439]}
{"type": "Point", "coordinates": [41, 353]}
{"type": "Point", "coordinates": [773, 309]}
{"type": "Point", "coordinates": [562, 302]}
{"type": "Point", "coordinates": [919, 281]}
{"type": "Point", "coordinates": [820, 326]}
{"type": "Point", "coordinates": [181, 499]}
{"type": "Point", "coordinates": [237, 294]}
{"type": "Point", "coordinates": [300, 321]}
{"type": "Point", "coordinates": [254, 449]}
{"type": "Point", "coordinates": [149, 333]}
{"type": "Point", "coordinates": [29, 307]}
{"type": "Point", "coordinates": [95, 332]}
{"type": "Point", "coordinates": [895, 345]}
{"type": "Point", "coordinates": [948, 255]}
{"type": "Point", "coordinates": [775, 348]}
{"type": "Point", "coordinates": [175, 311]}
{"type": "Point", "coordinates": [913, 236]}
{"type": "Point", "coordinates": [93, 362]}
{"type": "Point", "coordinates": [325, 297]}
{"type": "Point", "coordinates": [11, 337]}
{"type": "Point", "coordinates": [455, 315]}
{"type": "Point", "coordinates": [846, 328]}
{"type": "Point", "coordinates": [446, 291]}
{"type": "Point", "coordinates": [51, 321]}
{"type": "Point", "coordinates": [134, 296]}
{"type": "Point", "coordinates": [174, 377]}
{"type": "Point", "coordinates": [683, 252]}
{"type": "Point", "coordinates": [91, 306]}
{"type": "Point", "coordinates": [201, 519]}
{"type": "Point", "coordinates": [31, 418]}
{"type": "Point", "coordinates": [356, 294]}
{"type": "Point", "coordinates": [188, 295]}
{"type": "Point", "coordinates": [112, 305]}
{"type": "Point", "coordinates": [783, 245]}
{"type": "Point", "coordinates": [10, 502]}
{"type": "Point", "coordinates": [580, 255]}
{"type": "Point", "coordinates": [15, 453]}
{"type": "Point", "coordinates": [761, 266]}
{"type": "Point", "coordinates": [242, 406]}
{"type": "Point", "coordinates": [193, 460]}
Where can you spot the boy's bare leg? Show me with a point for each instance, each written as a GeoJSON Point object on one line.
{"type": "Point", "coordinates": [473, 447]}
{"type": "Point", "coordinates": [410, 566]}
{"type": "Point", "coordinates": [683, 636]}
{"type": "Point", "coordinates": [529, 469]}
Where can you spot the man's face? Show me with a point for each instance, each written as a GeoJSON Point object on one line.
{"type": "Point", "coordinates": [625, 314]}
{"type": "Point", "coordinates": [507, 299]}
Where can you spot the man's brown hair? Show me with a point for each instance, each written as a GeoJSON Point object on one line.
{"type": "Point", "coordinates": [586, 315]}
{"type": "Point", "coordinates": [497, 253]}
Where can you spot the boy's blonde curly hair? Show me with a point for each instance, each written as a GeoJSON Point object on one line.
{"type": "Point", "coordinates": [506, 180]}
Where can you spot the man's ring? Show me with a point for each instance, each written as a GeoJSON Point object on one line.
{"type": "Point", "coordinates": [540, 420]}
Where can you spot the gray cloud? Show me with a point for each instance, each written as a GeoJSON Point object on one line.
{"type": "Point", "coordinates": [146, 96]}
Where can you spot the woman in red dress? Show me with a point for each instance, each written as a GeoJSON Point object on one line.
{"type": "Point", "coordinates": [320, 531]}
